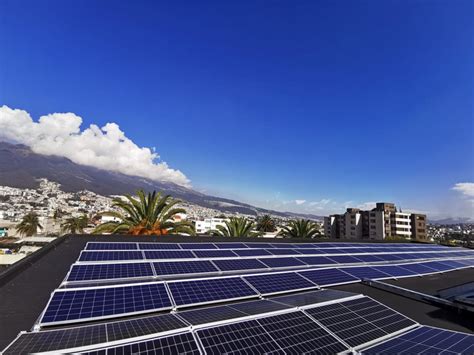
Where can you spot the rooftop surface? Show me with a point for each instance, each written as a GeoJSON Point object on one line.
{"type": "Point", "coordinates": [27, 287]}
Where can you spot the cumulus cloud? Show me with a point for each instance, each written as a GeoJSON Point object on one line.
{"type": "Point", "coordinates": [466, 188]}
{"type": "Point", "coordinates": [300, 202]}
{"type": "Point", "coordinates": [104, 148]}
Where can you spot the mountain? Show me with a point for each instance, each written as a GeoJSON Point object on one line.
{"type": "Point", "coordinates": [459, 220]}
{"type": "Point", "coordinates": [21, 167]}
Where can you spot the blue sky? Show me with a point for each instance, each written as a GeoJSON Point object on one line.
{"type": "Point", "coordinates": [332, 102]}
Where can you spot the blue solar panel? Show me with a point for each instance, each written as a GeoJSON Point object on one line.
{"type": "Point", "coordinates": [344, 259]}
{"type": "Point", "coordinates": [210, 315]}
{"type": "Point", "coordinates": [441, 266]}
{"type": "Point", "coordinates": [215, 254]}
{"type": "Point", "coordinates": [230, 245]}
{"type": "Point", "coordinates": [283, 251]}
{"type": "Point", "coordinates": [310, 251]}
{"type": "Point", "coordinates": [159, 246]}
{"type": "Point", "coordinates": [259, 245]}
{"type": "Point", "coordinates": [195, 246]}
{"type": "Point", "coordinates": [303, 245]}
{"type": "Point", "coordinates": [316, 260]}
{"type": "Point", "coordinates": [252, 252]}
{"type": "Point", "coordinates": [239, 264]}
{"type": "Point", "coordinates": [209, 290]}
{"type": "Point", "coordinates": [369, 258]}
{"type": "Point", "coordinates": [184, 267]}
{"type": "Point", "coordinates": [76, 305]}
{"type": "Point", "coordinates": [110, 255]}
{"type": "Point", "coordinates": [365, 272]}
{"type": "Point", "coordinates": [282, 245]}
{"type": "Point", "coordinates": [274, 283]}
{"type": "Point", "coordinates": [281, 262]}
{"type": "Point", "coordinates": [418, 268]}
{"type": "Point", "coordinates": [111, 246]}
{"type": "Point", "coordinates": [168, 254]}
{"type": "Point", "coordinates": [426, 340]}
{"type": "Point", "coordinates": [325, 277]}
{"type": "Point", "coordinates": [109, 271]}
{"type": "Point", "coordinates": [394, 270]}
{"type": "Point", "coordinates": [451, 263]}
{"type": "Point", "coordinates": [389, 257]}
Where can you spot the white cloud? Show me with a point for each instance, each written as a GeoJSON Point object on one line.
{"type": "Point", "coordinates": [466, 188]}
{"type": "Point", "coordinates": [300, 202]}
{"type": "Point", "coordinates": [366, 205]}
{"type": "Point", "coordinates": [105, 148]}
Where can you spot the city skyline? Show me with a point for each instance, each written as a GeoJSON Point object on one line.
{"type": "Point", "coordinates": [334, 107]}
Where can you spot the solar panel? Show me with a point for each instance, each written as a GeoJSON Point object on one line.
{"type": "Point", "coordinates": [54, 340]}
{"type": "Point", "coordinates": [184, 267]}
{"type": "Point", "coordinates": [282, 245]}
{"type": "Point", "coordinates": [230, 245]}
{"type": "Point", "coordinates": [168, 254]}
{"type": "Point", "coordinates": [452, 263]}
{"type": "Point", "coordinates": [394, 270]}
{"type": "Point", "coordinates": [311, 297]}
{"type": "Point", "coordinates": [316, 260]}
{"type": "Point", "coordinates": [418, 268]}
{"type": "Point", "coordinates": [326, 277]}
{"type": "Point", "coordinates": [441, 266]}
{"type": "Point", "coordinates": [195, 246]}
{"type": "Point", "coordinates": [110, 255]}
{"type": "Point", "coordinates": [344, 259]}
{"type": "Point", "coordinates": [239, 264]}
{"type": "Point", "coordinates": [76, 305]}
{"type": "Point", "coordinates": [303, 246]}
{"type": "Point", "coordinates": [258, 307]}
{"type": "Point", "coordinates": [369, 258]}
{"type": "Point", "coordinates": [215, 254]}
{"type": "Point", "coordinates": [365, 272]}
{"type": "Point", "coordinates": [281, 251]}
{"type": "Point", "coordinates": [359, 321]}
{"type": "Point", "coordinates": [310, 251]}
{"type": "Point", "coordinates": [389, 257]}
{"type": "Point", "coordinates": [109, 271]}
{"type": "Point", "coordinates": [281, 282]}
{"type": "Point", "coordinates": [251, 252]}
{"type": "Point", "coordinates": [209, 290]}
{"type": "Point", "coordinates": [426, 340]}
{"type": "Point", "coordinates": [159, 246]}
{"type": "Point", "coordinates": [183, 344]}
{"type": "Point", "coordinates": [281, 262]}
{"type": "Point", "coordinates": [111, 246]}
{"type": "Point", "coordinates": [210, 315]}
{"type": "Point", "coordinates": [239, 338]}
{"type": "Point", "coordinates": [259, 245]}
{"type": "Point", "coordinates": [296, 333]}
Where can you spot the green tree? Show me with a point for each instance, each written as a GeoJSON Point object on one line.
{"type": "Point", "coordinates": [265, 224]}
{"type": "Point", "coordinates": [75, 225]}
{"type": "Point", "coordinates": [145, 214]}
{"type": "Point", "coordinates": [300, 228]}
{"type": "Point", "coordinates": [29, 225]}
{"type": "Point", "coordinates": [236, 227]}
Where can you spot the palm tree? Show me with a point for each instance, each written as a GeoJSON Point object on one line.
{"type": "Point", "coordinates": [75, 225]}
{"type": "Point", "coordinates": [300, 228]}
{"type": "Point", "coordinates": [149, 214]}
{"type": "Point", "coordinates": [29, 224]}
{"type": "Point", "coordinates": [236, 227]}
{"type": "Point", "coordinates": [265, 224]}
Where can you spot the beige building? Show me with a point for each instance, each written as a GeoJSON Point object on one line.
{"type": "Point", "coordinates": [384, 221]}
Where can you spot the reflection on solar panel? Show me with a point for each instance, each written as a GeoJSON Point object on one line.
{"type": "Point", "coordinates": [184, 267]}
{"type": "Point", "coordinates": [110, 255]}
{"type": "Point", "coordinates": [176, 344]}
{"type": "Point", "coordinates": [311, 297]}
{"type": "Point", "coordinates": [109, 271]}
{"type": "Point", "coordinates": [274, 283]}
{"type": "Point", "coordinates": [159, 246]}
{"type": "Point", "coordinates": [394, 270]}
{"type": "Point", "coordinates": [168, 254]}
{"type": "Point", "coordinates": [258, 307]}
{"type": "Point", "coordinates": [316, 260]}
{"type": "Point", "coordinates": [251, 252]}
{"type": "Point", "coordinates": [326, 277]}
{"type": "Point", "coordinates": [296, 333]}
{"type": "Point", "coordinates": [417, 268]}
{"type": "Point", "coordinates": [426, 340]}
{"type": "Point", "coordinates": [365, 272]}
{"type": "Point", "coordinates": [215, 254]}
{"type": "Point", "coordinates": [209, 290]}
{"type": "Point", "coordinates": [389, 257]}
{"type": "Point", "coordinates": [369, 258]}
{"type": "Point", "coordinates": [195, 246]}
{"type": "Point", "coordinates": [360, 321]}
{"type": "Point", "coordinates": [111, 246]}
{"type": "Point", "coordinates": [230, 245]}
{"type": "Point", "coordinates": [73, 305]}
{"type": "Point", "coordinates": [281, 262]}
{"type": "Point", "coordinates": [210, 315]}
{"type": "Point", "coordinates": [238, 338]}
{"type": "Point", "coordinates": [239, 264]}
{"type": "Point", "coordinates": [29, 343]}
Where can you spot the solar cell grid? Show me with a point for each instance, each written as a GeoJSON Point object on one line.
{"type": "Point", "coordinates": [281, 245]}
{"type": "Point", "coordinates": [109, 271]}
{"type": "Point", "coordinates": [210, 315]}
{"type": "Point", "coordinates": [209, 290]}
{"type": "Point", "coordinates": [251, 252]}
{"type": "Point", "coordinates": [168, 254]}
{"type": "Point", "coordinates": [344, 259]}
{"type": "Point", "coordinates": [230, 246]}
{"type": "Point", "coordinates": [326, 277]}
{"type": "Point", "coordinates": [283, 251]}
{"type": "Point", "coordinates": [274, 283]}
{"type": "Point", "coordinates": [184, 267]}
{"type": "Point", "coordinates": [418, 268]}
{"type": "Point", "coordinates": [281, 262]}
{"type": "Point", "coordinates": [365, 272]}
{"type": "Point", "coordinates": [195, 246]}
{"type": "Point", "coordinates": [311, 297]}
{"type": "Point", "coordinates": [239, 264]}
{"type": "Point", "coordinates": [369, 258]}
{"type": "Point", "coordinates": [394, 270]}
{"type": "Point", "coordinates": [159, 246]}
{"type": "Point", "coordinates": [316, 260]}
{"type": "Point", "coordinates": [176, 344]}
{"type": "Point", "coordinates": [310, 251]}
{"type": "Point", "coordinates": [74, 305]}
{"type": "Point", "coordinates": [215, 254]}
{"type": "Point", "coordinates": [110, 255]}
{"type": "Point", "coordinates": [259, 245]}
{"type": "Point", "coordinates": [111, 246]}
{"type": "Point", "coordinates": [389, 257]}
{"type": "Point", "coordinates": [258, 307]}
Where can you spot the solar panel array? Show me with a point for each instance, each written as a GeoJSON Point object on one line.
{"type": "Point", "coordinates": [271, 291]}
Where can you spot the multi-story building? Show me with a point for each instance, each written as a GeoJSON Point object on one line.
{"type": "Point", "coordinates": [384, 221]}
{"type": "Point", "coordinates": [209, 224]}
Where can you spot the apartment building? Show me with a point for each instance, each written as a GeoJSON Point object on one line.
{"type": "Point", "coordinates": [209, 224]}
{"type": "Point", "coordinates": [384, 221]}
